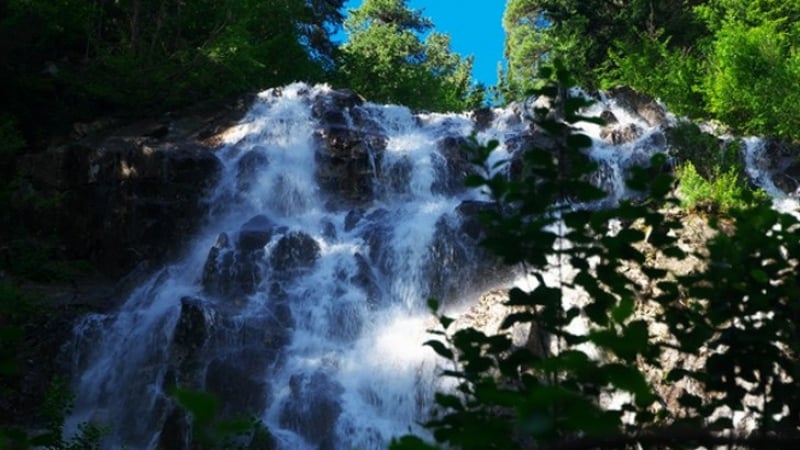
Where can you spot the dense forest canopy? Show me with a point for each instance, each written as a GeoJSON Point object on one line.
{"type": "Point", "coordinates": [731, 60]}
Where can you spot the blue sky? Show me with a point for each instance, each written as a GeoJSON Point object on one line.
{"type": "Point", "coordinates": [475, 28]}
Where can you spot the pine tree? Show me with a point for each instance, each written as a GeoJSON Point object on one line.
{"type": "Point", "coordinates": [393, 56]}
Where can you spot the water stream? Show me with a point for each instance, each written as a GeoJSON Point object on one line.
{"type": "Point", "coordinates": [303, 300]}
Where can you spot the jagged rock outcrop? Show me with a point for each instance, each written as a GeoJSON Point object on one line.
{"type": "Point", "coordinates": [452, 166]}
{"type": "Point", "coordinates": [781, 161]}
{"type": "Point", "coordinates": [127, 194]}
{"type": "Point", "coordinates": [639, 105]}
{"type": "Point", "coordinates": [199, 360]}
{"type": "Point", "coordinates": [350, 146]}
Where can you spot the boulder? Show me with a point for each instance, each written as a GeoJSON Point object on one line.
{"type": "Point", "coordinates": [255, 233]}
{"type": "Point", "coordinates": [350, 146]}
{"type": "Point", "coordinates": [620, 134]}
{"type": "Point", "coordinates": [348, 163]}
{"type": "Point", "coordinates": [248, 166]}
{"type": "Point", "coordinates": [294, 251]}
{"type": "Point", "coordinates": [483, 118]}
{"type": "Point", "coordinates": [352, 219]}
{"type": "Point", "coordinates": [189, 340]}
{"type": "Point", "coordinates": [639, 105]}
{"type": "Point", "coordinates": [367, 279]}
{"type": "Point", "coordinates": [233, 271]}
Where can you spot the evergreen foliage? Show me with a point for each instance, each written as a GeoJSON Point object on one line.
{"type": "Point", "coordinates": [393, 56]}
{"type": "Point", "coordinates": [733, 60]}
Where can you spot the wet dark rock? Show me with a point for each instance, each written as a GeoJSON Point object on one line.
{"type": "Point", "coordinates": [639, 105]}
{"type": "Point", "coordinates": [249, 165]}
{"type": "Point", "coordinates": [377, 233]}
{"type": "Point", "coordinates": [350, 145]}
{"type": "Point", "coordinates": [176, 432]}
{"type": "Point", "coordinates": [229, 271]}
{"type": "Point", "coordinates": [329, 230]}
{"type": "Point", "coordinates": [620, 134]}
{"type": "Point", "coordinates": [189, 339]}
{"type": "Point", "coordinates": [347, 163]}
{"type": "Point", "coordinates": [352, 218]}
{"type": "Point", "coordinates": [367, 279]}
{"type": "Point", "coordinates": [456, 264]}
{"type": "Point", "coordinates": [396, 177]}
{"type": "Point", "coordinates": [241, 392]}
{"type": "Point", "coordinates": [609, 117]}
{"type": "Point", "coordinates": [453, 166]}
{"type": "Point", "coordinates": [483, 118]}
{"type": "Point", "coordinates": [295, 250]}
{"type": "Point", "coordinates": [312, 408]}
{"type": "Point", "coordinates": [782, 164]}
{"type": "Point", "coordinates": [255, 233]}
{"type": "Point", "coordinates": [191, 331]}
{"type": "Point", "coordinates": [335, 101]}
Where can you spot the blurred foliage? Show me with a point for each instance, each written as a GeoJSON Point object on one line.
{"type": "Point", "coordinates": [211, 432]}
{"type": "Point", "coordinates": [728, 325]}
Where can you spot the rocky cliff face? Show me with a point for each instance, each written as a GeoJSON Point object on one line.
{"type": "Point", "coordinates": [126, 194]}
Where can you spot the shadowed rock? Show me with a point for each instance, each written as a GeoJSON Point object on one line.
{"type": "Point", "coordinates": [296, 250]}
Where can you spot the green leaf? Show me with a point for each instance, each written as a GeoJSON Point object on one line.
{"type": "Point", "coordinates": [446, 321]}
{"type": "Point", "coordinates": [759, 275]}
{"type": "Point", "coordinates": [630, 379]}
{"type": "Point", "coordinates": [449, 401]}
{"type": "Point", "coordinates": [690, 401]}
{"type": "Point", "coordinates": [579, 141]}
{"type": "Point", "coordinates": [440, 348]}
{"type": "Point", "coordinates": [473, 181]}
{"type": "Point", "coordinates": [624, 309]}
{"type": "Point", "coordinates": [201, 405]}
{"type": "Point", "coordinates": [515, 318]}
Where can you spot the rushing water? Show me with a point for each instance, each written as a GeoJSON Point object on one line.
{"type": "Point", "coordinates": [303, 303]}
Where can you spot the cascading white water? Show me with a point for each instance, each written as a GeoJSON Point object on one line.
{"type": "Point", "coordinates": [302, 302]}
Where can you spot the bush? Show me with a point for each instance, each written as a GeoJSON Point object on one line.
{"type": "Point", "coordinates": [710, 173]}
{"type": "Point", "coordinates": [650, 65]}
{"type": "Point", "coordinates": [722, 191]}
{"type": "Point", "coordinates": [753, 86]}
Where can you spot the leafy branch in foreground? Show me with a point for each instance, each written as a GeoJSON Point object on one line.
{"type": "Point", "coordinates": [622, 352]}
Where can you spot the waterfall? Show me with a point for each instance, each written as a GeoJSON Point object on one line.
{"type": "Point", "coordinates": [302, 302]}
